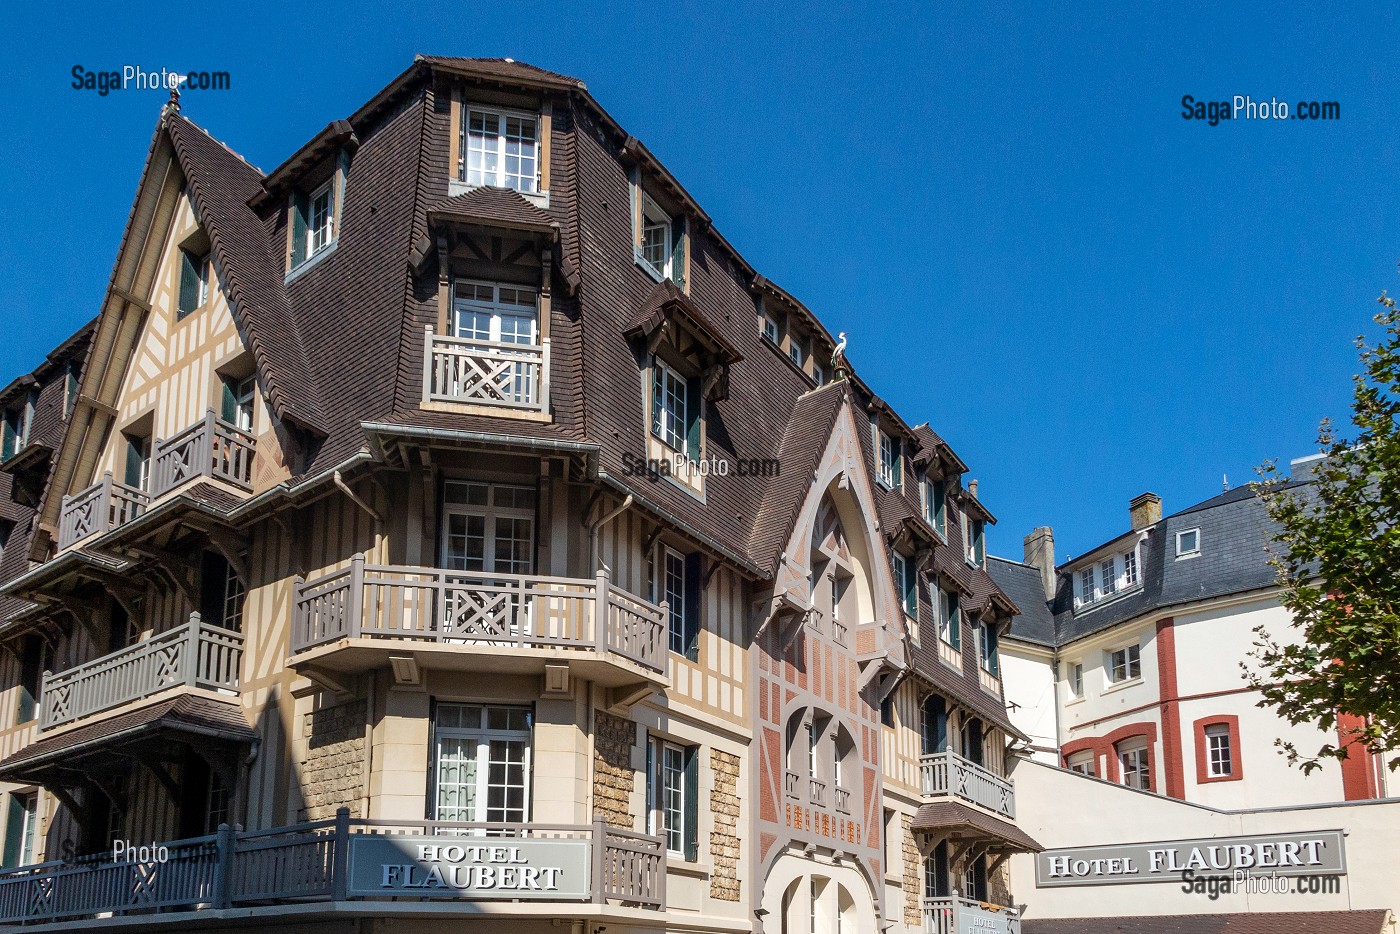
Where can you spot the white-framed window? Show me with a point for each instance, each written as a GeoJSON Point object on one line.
{"type": "Point", "coordinates": [1125, 664]}
{"type": "Point", "coordinates": [657, 232]}
{"type": "Point", "coordinates": [770, 328]}
{"type": "Point", "coordinates": [320, 218]}
{"type": "Point", "coordinates": [1188, 542]}
{"type": "Point", "coordinates": [500, 149]}
{"type": "Point", "coordinates": [1130, 568]}
{"type": "Point", "coordinates": [488, 527]}
{"type": "Point", "coordinates": [949, 617]}
{"type": "Point", "coordinates": [671, 795]}
{"type": "Point", "coordinates": [818, 374]}
{"type": "Point", "coordinates": [797, 350]}
{"type": "Point", "coordinates": [1220, 762]}
{"type": "Point", "coordinates": [976, 542]}
{"type": "Point", "coordinates": [891, 466]}
{"type": "Point", "coordinates": [987, 648]}
{"type": "Point", "coordinates": [18, 421]}
{"type": "Point", "coordinates": [1108, 570]}
{"type": "Point", "coordinates": [669, 414]}
{"type": "Point", "coordinates": [21, 829]}
{"type": "Point", "coordinates": [673, 592]}
{"type": "Point", "coordinates": [1087, 592]}
{"type": "Point", "coordinates": [481, 762]}
{"type": "Point", "coordinates": [1076, 680]}
{"type": "Point", "coordinates": [495, 312]}
{"type": "Point", "coordinates": [236, 406]}
{"type": "Point", "coordinates": [1081, 762]}
{"type": "Point", "coordinates": [1134, 764]}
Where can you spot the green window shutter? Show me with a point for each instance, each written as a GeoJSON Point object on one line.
{"type": "Point", "coordinates": [299, 209]}
{"type": "Point", "coordinates": [694, 410]}
{"type": "Point", "coordinates": [909, 580]}
{"type": "Point", "coordinates": [678, 234]}
{"type": "Point", "coordinates": [228, 403]}
{"type": "Point", "coordinates": [692, 607]}
{"type": "Point", "coordinates": [189, 283]}
{"type": "Point", "coordinates": [898, 464]}
{"type": "Point", "coordinates": [653, 790]}
{"type": "Point", "coordinates": [940, 496]}
{"type": "Point", "coordinates": [135, 462]}
{"type": "Point", "coordinates": [935, 725]}
{"type": "Point", "coordinates": [656, 397]}
{"type": "Point", "coordinates": [14, 831]}
{"type": "Point", "coordinates": [955, 623]}
{"type": "Point", "coordinates": [993, 662]}
{"type": "Point", "coordinates": [10, 438]}
{"type": "Point", "coordinates": [692, 804]}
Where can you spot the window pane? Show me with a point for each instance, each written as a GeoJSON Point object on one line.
{"type": "Point", "coordinates": [1110, 578]}
{"type": "Point", "coordinates": [675, 599]}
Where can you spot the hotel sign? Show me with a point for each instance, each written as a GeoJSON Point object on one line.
{"type": "Point", "coordinates": [469, 867]}
{"type": "Point", "coordinates": [1316, 853]}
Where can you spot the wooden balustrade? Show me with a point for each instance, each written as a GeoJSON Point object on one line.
{"type": "Point", "coordinates": [477, 372]}
{"type": "Point", "coordinates": [210, 448]}
{"type": "Point", "coordinates": [197, 654]}
{"type": "Point", "coordinates": [100, 508]}
{"type": "Point", "coordinates": [954, 915]}
{"type": "Point", "coordinates": [302, 862]}
{"type": "Point", "coordinates": [947, 773]}
{"type": "Point", "coordinates": [519, 611]}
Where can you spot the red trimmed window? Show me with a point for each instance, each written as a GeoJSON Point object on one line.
{"type": "Point", "coordinates": [1218, 749]}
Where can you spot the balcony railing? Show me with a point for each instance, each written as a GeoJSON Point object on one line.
{"type": "Point", "coordinates": [210, 447]}
{"type": "Point", "coordinates": [791, 782]}
{"type": "Point", "coordinates": [197, 654]}
{"type": "Point", "coordinates": [313, 862]}
{"type": "Point", "coordinates": [947, 773]}
{"type": "Point", "coordinates": [509, 611]}
{"type": "Point", "coordinates": [816, 792]}
{"type": "Point", "coordinates": [98, 509]}
{"type": "Point", "coordinates": [842, 798]}
{"type": "Point", "coordinates": [495, 373]}
{"type": "Point", "coordinates": [955, 915]}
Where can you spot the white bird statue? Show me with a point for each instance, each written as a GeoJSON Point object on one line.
{"type": "Point", "coordinates": [838, 355]}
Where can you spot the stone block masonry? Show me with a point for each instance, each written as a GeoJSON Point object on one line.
{"type": "Point", "coordinates": [724, 837]}
{"type": "Point", "coordinates": [613, 776]}
{"type": "Point", "coordinates": [913, 885]}
{"type": "Point", "coordinates": [333, 769]}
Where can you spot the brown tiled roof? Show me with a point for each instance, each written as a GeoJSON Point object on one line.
{"type": "Point", "coordinates": [187, 713]}
{"type": "Point", "coordinates": [1371, 921]}
{"type": "Point", "coordinates": [968, 820]}
{"type": "Point", "coordinates": [221, 183]}
{"type": "Point", "coordinates": [666, 297]}
{"type": "Point", "coordinates": [500, 68]}
{"type": "Point", "coordinates": [502, 207]}
{"type": "Point", "coordinates": [806, 436]}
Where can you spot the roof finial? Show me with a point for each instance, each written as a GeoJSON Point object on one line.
{"type": "Point", "coordinates": [1225, 483]}
{"type": "Point", "coordinates": [838, 358]}
{"type": "Point", "coordinates": [173, 105]}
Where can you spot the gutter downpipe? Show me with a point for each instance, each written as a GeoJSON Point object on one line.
{"type": "Point", "coordinates": [596, 527]}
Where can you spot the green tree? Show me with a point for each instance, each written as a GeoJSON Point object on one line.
{"type": "Point", "coordinates": [1337, 553]}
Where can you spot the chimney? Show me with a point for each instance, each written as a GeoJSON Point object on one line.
{"type": "Point", "coordinates": [1145, 509]}
{"type": "Point", "coordinates": [1040, 554]}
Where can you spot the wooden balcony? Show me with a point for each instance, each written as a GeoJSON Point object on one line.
{"type": "Point", "coordinates": [947, 773]}
{"type": "Point", "coordinates": [100, 508]}
{"type": "Point", "coordinates": [956, 915]}
{"type": "Point", "coordinates": [196, 655]}
{"type": "Point", "coordinates": [316, 862]}
{"type": "Point", "coordinates": [210, 448]}
{"type": "Point", "coordinates": [352, 619]}
{"type": "Point", "coordinates": [490, 373]}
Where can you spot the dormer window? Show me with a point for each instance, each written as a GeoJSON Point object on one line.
{"type": "Point", "coordinates": [656, 237]}
{"type": "Point", "coordinates": [501, 149]}
{"type": "Point", "coordinates": [935, 504]}
{"type": "Point", "coordinates": [321, 218]}
{"type": "Point", "coordinates": [891, 472]}
{"type": "Point", "coordinates": [797, 352]}
{"type": "Point", "coordinates": [770, 328]}
{"type": "Point", "coordinates": [18, 421]}
{"type": "Point", "coordinates": [1106, 577]}
{"type": "Point", "coordinates": [674, 420]}
{"type": "Point", "coordinates": [976, 543]}
{"type": "Point", "coordinates": [905, 578]}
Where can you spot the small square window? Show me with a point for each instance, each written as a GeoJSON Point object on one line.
{"type": "Point", "coordinates": [770, 328]}
{"type": "Point", "coordinates": [1188, 542]}
{"type": "Point", "coordinates": [1219, 755]}
{"type": "Point", "coordinates": [320, 218]}
{"type": "Point", "coordinates": [656, 237]}
{"type": "Point", "coordinates": [1125, 664]}
{"type": "Point", "coordinates": [796, 352]}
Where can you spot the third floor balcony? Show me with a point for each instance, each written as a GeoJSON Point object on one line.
{"type": "Point", "coordinates": [352, 619]}
{"type": "Point", "coordinates": [947, 773]}
{"type": "Point", "coordinates": [500, 374]}
{"type": "Point", "coordinates": [210, 449]}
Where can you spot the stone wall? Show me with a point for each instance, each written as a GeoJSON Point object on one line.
{"type": "Point", "coordinates": [332, 772]}
{"type": "Point", "coordinates": [613, 777]}
{"type": "Point", "coordinates": [724, 838]}
{"type": "Point", "coordinates": [912, 875]}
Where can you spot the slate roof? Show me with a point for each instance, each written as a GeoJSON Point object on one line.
{"type": "Point", "coordinates": [1021, 582]}
{"type": "Point", "coordinates": [1234, 533]}
{"type": "Point", "coordinates": [1371, 921]}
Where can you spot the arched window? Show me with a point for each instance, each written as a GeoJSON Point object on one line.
{"type": "Point", "coordinates": [972, 740]}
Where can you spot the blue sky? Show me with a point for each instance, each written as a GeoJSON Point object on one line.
{"type": "Point", "coordinates": [1087, 295]}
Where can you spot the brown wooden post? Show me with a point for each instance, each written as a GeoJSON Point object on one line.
{"type": "Point", "coordinates": [223, 866]}
{"type": "Point", "coordinates": [355, 601]}
{"type": "Point", "coordinates": [600, 611]}
{"type": "Point", "coordinates": [191, 650]}
{"type": "Point", "coordinates": [600, 842]}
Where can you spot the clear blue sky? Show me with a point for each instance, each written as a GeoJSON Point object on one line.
{"type": "Point", "coordinates": [1087, 295]}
